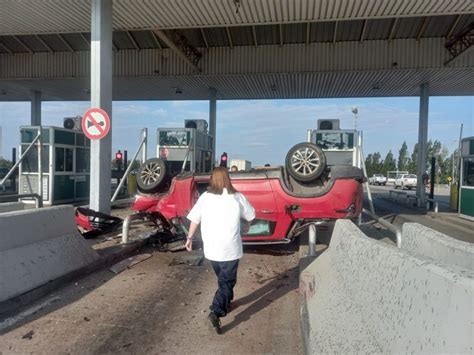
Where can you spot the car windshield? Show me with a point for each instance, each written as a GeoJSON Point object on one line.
{"type": "Point", "coordinates": [411, 176]}
{"type": "Point", "coordinates": [378, 175]}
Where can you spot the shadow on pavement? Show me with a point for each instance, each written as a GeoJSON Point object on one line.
{"type": "Point", "coordinates": [279, 286]}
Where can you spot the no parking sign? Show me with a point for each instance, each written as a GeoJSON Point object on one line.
{"type": "Point", "coordinates": [95, 123]}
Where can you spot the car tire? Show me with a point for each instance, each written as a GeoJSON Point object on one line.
{"type": "Point", "coordinates": [151, 175]}
{"type": "Point", "coordinates": [305, 162]}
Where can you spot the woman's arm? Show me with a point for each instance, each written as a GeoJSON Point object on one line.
{"type": "Point", "coordinates": [189, 240]}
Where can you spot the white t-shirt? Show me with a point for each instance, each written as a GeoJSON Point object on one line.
{"type": "Point", "coordinates": [220, 216]}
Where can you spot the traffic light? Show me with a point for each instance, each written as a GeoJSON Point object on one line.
{"type": "Point", "coordinates": [223, 160]}
{"type": "Point", "coordinates": [119, 159]}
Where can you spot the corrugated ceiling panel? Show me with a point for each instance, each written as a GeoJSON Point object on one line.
{"type": "Point", "coordinates": [216, 37]}
{"type": "Point", "coordinates": [76, 41]}
{"type": "Point", "coordinates": [378, 29]}
{"type": "Point", "coordinates": [193, 37]}
{"type": "Point", "coordinates": [322, 31]}
{"type": "Point", "coordinates": [349, 30]}
{"type": "Point", "coordinates": [122, 41]}
{"type": "Point", "coordinates": [12, 44]}
{"type": "Point", "coordinates": [269, 34]}
{"type": "Point", "coordinates": [61, 16]}
{"type": "Point", "coordinates": [408, 27]}
{"type": "Point", "coordinates": [33, 43]}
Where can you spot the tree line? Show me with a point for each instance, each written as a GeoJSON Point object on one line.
{"type": "Point", "coordinates": [407, 162]}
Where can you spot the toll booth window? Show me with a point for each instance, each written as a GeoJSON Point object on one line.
{"type": "Point", "coordinates": [175, 138]}
{"type": "Point", "coordinates": [468, 172]}
{"type": "Point", "coordinates": [30, 162]}
{"type": "Point", "coordinates": [82, 160]}
{"type": "Point", "coordinates": [335, 140]}
{"type": "Point", "coordinates": [64, 159]}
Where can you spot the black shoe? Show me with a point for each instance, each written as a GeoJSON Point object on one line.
{"type": "Point", "coordinates": [215, 322]}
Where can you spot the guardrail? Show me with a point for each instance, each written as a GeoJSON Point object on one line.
{"type": "Point", "coordinates": [38, 198]}
{"type": "Point", "coordinates": [388, 225]}
{"type": "Point", "coordinates": [408, 197]}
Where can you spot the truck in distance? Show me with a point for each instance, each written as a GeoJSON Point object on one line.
{"type": "Point", "coordinates": [378, 179]}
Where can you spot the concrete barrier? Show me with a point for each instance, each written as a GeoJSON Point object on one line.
{"type": "Point", "coordinates": [11, 206]}
{"type": "Point", "coordinates": [365, 296]}
{"type": "Point", "coordinates": [429, 243]}
{"type": "Point", "coordinates": [37, 246]}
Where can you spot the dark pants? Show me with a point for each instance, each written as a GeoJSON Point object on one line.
{"type": "Point", "coordinates": [226, 272]}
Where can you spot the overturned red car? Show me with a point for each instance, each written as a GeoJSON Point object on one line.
{"type": "Point", "coordinates": [286, 199]}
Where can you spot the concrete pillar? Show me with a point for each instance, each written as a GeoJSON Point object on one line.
{"type": "Point", "coordinates": [101, 96]}
{"type": "Point", "coordinates": [422, 143]}
{"type": "Point", "coordinates": [35, 108]}
{"type": "Point", "coordinates": [212, 121]}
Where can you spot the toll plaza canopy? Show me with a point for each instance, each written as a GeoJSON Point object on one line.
{"type": "Point", "coordinates": [100, 50]}
{"type": "Point", "coordinates": [266, 49]}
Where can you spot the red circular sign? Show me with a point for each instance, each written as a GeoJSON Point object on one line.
{"type": "Point", "coordinates": [95, 123]}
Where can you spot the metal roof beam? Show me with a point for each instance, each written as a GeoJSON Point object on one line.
{"type": "Point", "coordinates": [44, 44]}
{"type": "Point", "coordinates": [85, 39]}
{"type": "Point", "coordinates": [23, 44]}
{"type": "Point", "coordinates": [308, 32]}
{"type": "Point", "coordinates": [204, 37]}
{"type": "Point", "coordinates": [9, 51]}
{"type": "Point", "coordinates": [280, 30]}
{"type": "Point", "coordinates": [362, 33]}
{"type": "Point", "coordinates": [453, 26]}
{"type": "Point", "coordinates": [229, 38]}
{"type": "Point", "coordinates": [155, 40]}
{"type": "Point", "coordinates": [254, 32]}
{"type": "Point", "coordinates": [334, 36]}
{"type": "Point", "coordinates": [422, 29]}
{"type": "Point", "coordinates": [132, 39]}
{"type": "Point", "coordinates": [65, 43]}
{"type": "Point", "coordinates": [184, 51]}
{"type": "Point", "coordinates": [461, 44]}
{"type": "Point", "coordinates": [393, 29]}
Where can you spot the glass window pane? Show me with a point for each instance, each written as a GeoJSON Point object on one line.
{"type": "Point", "coordinates": [82, 160]}
{"type": "Point", "coordinates": [59, 166]}
{"type": "Point", "coordinates": [468, 172]}
{"type": "Point", "coordinates": [175, 138]}
{"type": "Point", "coordinates": [30, 162]}
{"type": "Point", "coordinates": [69, 159]}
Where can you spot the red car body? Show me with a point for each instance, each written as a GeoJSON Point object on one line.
{"type": "Point", "coordinates": [280, 212]}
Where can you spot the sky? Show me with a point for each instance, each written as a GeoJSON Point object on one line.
{"type": "Point", "coordinates": [262, 131]}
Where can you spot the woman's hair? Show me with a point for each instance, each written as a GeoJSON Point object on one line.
{"type": "Point", "coordinates": [220, 180]}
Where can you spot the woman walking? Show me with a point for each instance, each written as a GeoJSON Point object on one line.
{"type": "Point", "coordinates": [219, 211]}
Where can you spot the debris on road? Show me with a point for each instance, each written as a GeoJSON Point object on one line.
{"type": "Point", "coordinates": [28, 335]}
{"type": "Point", "coordinates": [128, 263]}
{"type": "Point", "coordinates": [191, 260]}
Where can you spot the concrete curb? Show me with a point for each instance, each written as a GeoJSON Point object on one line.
{"type": "Point", "coordinates": [11, 306]}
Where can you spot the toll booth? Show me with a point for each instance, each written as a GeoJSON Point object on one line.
{"type": "Point", "coordinates": [65, 165]}
{"type": "Point", "coordinates": [341, 146]}
{"type": "Point", "coordinates": [190, 146]}
{"type": "Point", "coordinates": [466, 190]}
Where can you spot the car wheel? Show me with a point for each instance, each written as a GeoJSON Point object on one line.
{"type": "Point", "coordinates": [305, 162]}
{"type": "Point", "coordinates": [151, 175]}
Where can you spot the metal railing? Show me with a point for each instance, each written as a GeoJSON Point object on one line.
{"type": "Point", "coordinates": [388, 225]}
{"type": "Point", "coordinates": [141, 147]}
{"type": "Point", "coordinates": [38, 198]}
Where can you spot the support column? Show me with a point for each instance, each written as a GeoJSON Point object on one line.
{"type": "Point", "coordinates": [35, 108]}
{"type": "Point", "coordinates": [422, 143]}
{"type": "Point", "coordinates": [212, 121]}
{"type": "Point", "coordinates": [101, 96]}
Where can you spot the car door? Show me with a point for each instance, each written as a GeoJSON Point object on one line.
{"type": "Point", "coordinates": [259, 193]}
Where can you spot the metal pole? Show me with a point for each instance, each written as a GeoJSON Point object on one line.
{"type": "Point", "coordinates": [40, 167]}
{"type": "Point", "coordinates": [125, 174]}
{"type": "Point", "coordinates": [432, 180]}
{"type": "Point", "coordinates": [145, 145]}
{"type": "Point", "coordinates": [422, 143]}
{"type": "Point", "coordinates": [212, 122]}
{"type": "Point", "coordinates": [35, 119]}
{"type": "Point", "coordinates": [369, 193]}
{"type": "Point", "coordinates": [101, 96]}
{"type": "Point", "coordinates": [312, 240]}
{"type": "Point", "coordinates": [19, 160]}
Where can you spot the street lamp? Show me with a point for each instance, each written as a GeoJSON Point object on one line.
{"type": "Point", "coordinates": [355, 111]}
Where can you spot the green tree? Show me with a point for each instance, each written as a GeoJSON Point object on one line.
{"type": "Point", "coordinates": [411, 166]}
{"type": "Point", "coordinates": [403, 158]}
{"type": "Point", "coordinates": [368, 165]}
{"type": "Point", "coordinates": [377, 163]}
{"type": "Point", "coordinates": [4, 163]}
{"type": "Point", "coordinates": [389, 163]}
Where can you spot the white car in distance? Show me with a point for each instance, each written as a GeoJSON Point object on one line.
{"type": "Point", "coordinates": [378, 179]}
{"type": "Point", "coordinates": [407, 181]}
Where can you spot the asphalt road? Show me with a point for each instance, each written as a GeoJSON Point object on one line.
{"type": "Point", "coordinates": [157, 308]}
{"type": "Point", "coordinates": [398, 211]}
